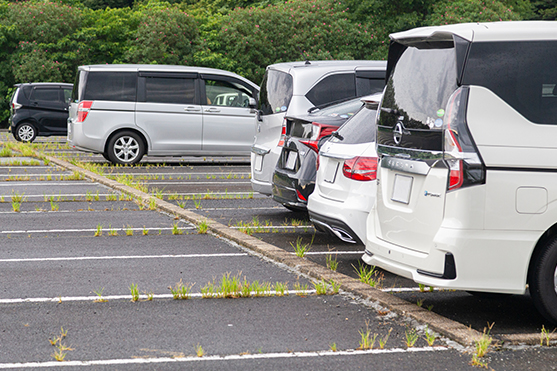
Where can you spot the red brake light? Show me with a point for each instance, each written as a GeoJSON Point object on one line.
{"type": "Point", "coordinates": [282, 134]}
{"type": "Point", "coordinates": [300, 196]}
{"type": "Point", "coordinates": [360, 168]}
{"type": "Point", "coordinates": [83, 110]}
{"type": "Point", "coordinates": [318, 131]}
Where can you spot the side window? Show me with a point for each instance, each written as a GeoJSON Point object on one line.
{"type": "Point", "coordinates": [67, 95]}
{"type": "Point", "coordinates": [115, 86]}
{"type": "Point", "coordinates": [227, 93]}
{"type": "Point", "coordinates": [365, 86]}
{"type": "Point", "coordinates": [46, 94]}
{"type": "Point", "coordinates": [169, 90]}
{"type": "Point", "coordinates": [333, 88]}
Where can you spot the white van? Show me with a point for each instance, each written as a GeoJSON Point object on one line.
{"type": "Point", "coordinates": [126, 111]}
{"type": "Point", "coordinates": [291, 89]}
{"type": "Point", "coordinates": [467, 178]}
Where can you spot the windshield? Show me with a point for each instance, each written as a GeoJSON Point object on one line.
{"type": "Point", "coordinates": [275, 93]}
{"type": "Point", "coordinates": [359, 129]}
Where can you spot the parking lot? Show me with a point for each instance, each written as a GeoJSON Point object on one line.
{"type": "Point", "coordinates": [68, 242]}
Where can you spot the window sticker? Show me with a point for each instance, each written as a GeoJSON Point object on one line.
{"type": "Point", "coordinates": [440, 112]}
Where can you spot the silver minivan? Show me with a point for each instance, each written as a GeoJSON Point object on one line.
{"type": "Point", "coordinates": [126, 111]}
{"type": "Point", "coordinates": [293, 88]}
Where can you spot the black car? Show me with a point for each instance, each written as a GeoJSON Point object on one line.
{"type": "Point", "coordinates": [39, 109]}
{"type": "Point", "coordinates": [295, 171]}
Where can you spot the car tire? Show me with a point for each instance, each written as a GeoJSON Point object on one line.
{"type": "Point", "coordinates": [543, 281]}
{"type": "Point", "coordinates": [125, 148]}
{"type": "Point", "coordinates": [105, 155]}
{"type": "Point", "coordinates": [25, 132]}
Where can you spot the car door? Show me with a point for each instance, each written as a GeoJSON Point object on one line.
{"type": "Point", "coordinates": [168, 110]}
{"type": "Point", "coordinates": [49, 110]}
{"type": "Point", "coordinates": [228, 121]}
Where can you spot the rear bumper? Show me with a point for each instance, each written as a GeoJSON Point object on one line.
{"type": "Point", "coordinates": [485, 260]}
{"type": "Point", "coordinates": [288, 191]}
{"type": "Point", "coordinates": [335, 227]}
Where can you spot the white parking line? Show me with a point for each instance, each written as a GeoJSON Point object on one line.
{"type": "Point", "coordinates": [47, 183]}
{"type": "Point", "coordinates": [119, 257]}
{"type": "Point", "coordinates": [105, 229]}
{"type": "Point", "coordinates": [234, 357]}
{"type": "Point", "coordinates": [205, 183]}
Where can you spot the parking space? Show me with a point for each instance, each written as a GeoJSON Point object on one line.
{"type": "Point", "coordinates": [73, 241]}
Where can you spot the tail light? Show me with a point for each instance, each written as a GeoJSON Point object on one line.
{"type": "Point", "coordinates": [282, 134]}
{"type": "Point", "coordinates": [300, 196]}
{"type": "Point", "coordinates": [83, 110]}
{"type": "Point", "coordinates": [318, 131]}
{"type": "Point", "coordinates": [16, 106]}
{"type": "Point", "coordinates": [466, 168]}
{"type": "Point", "coordinates": [360, 168]}
{"type": "Point", "coordinates": [317, 163]}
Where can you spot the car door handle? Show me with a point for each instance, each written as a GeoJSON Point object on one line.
{"type": "Point", "coordinates": [212, 110]}
{"type": "Point", "coordinates": [192, 109]}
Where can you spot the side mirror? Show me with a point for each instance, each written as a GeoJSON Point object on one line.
{"type": "Point", "coordinates": [252, 104]}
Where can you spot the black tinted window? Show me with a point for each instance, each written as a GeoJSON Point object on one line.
{"type": "Point", "coordinates": [275, 93]}
{"type": "Point", "coordinates": [523, 74]}
{"type": "Point", "coordinates": [360, 128]}
{"type": "Point", "coordinates": [169, 90]}
{"type": "Point", "coordinates": [115, 86]}
{"type": "Point", "coordinates": [46, 94]}
{"type": "Point", "coordinates": [333, 88]}
{"type": "Point", "coordinates": [365, 86]}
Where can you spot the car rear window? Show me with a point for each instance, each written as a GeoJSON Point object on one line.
{"type": "Point", "coordinates": [275, 93]}
{"type": "Point", "coordinates": [46, 94]}
{"type": "Point", "coordinates": [521, 73]}
{"type": "Point", "coordinates": [169, 90]}
{"type": "Point", "coordinates": [333, 88]}
{"type": "Point", "coordinates": [114, 86]}
{"type": "Point", "coordinates": [360, 128]}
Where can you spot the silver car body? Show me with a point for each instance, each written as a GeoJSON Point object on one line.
{"type": "Point", "coordinates": [168, 129]}
{"type": "Point", "coordinates": [305, 76]}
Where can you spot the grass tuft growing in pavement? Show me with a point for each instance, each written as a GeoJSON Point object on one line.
{"type": "Point", "coordinates": [482, 347]}
{"type": "Point", "coordinates": [181, 291]}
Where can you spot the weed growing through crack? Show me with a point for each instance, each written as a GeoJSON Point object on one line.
{"type": "Point", "coordinates": [99, 293]}
{"type": "Point", "coordinates": [111, 231]}
{"type": "Point", "coordinates": [281, 288]}
{"type": "Point", "coordinates": [112, 197]}
{"type": "Point", "coordinates": [99, 231]}
{"type": "Point", "coordinates": [383, 340]}
{"type": "Point", "coordinates": [54, 206]}
{"type": "Point", "coordinates": [301, 249]}
{"type": "Point", "coordinates": [320, 287]}
{"type": "Point", "coordinates": [411, 337]}
{"type": "Point", "coordinates": [420, 302]}
{"type": "Point", "coordinates": [202, 227]}
{"type": "Point", "coordinates": [331, 262]}
{"type": "Point", "coordinates": [128, 230]}
{"type": "Point", "coordinates": [134, 292]}
{"type": "Point", "coordinates": [60, 353]}
{"type": "Point", "coordinates": [482, 347]}
{"type": "Point", "coordinates": [301, 289]}
{"type": "Point", "coordinates": [18, 197]}
{"type": "Point", "coordinates": [545, 335]}
{"type": "Point", "coordinates": [16, 206]}
{"type": "Point", "coordinates": [197, 203]}
{"type": "Point", "coordinates": [176, 230]}
{"type": "Point", "coordinates": [429, 336]}
{"type": "Point", "coordinates": [366, 340]}
{"type": "Point", "coordinates": [181, 291]}
{"type": "Point", "coordinates": [182, 204]}
{"type": "Point", "coordinates": [152, 203]}
{"type": "Point", "coordinates": [367, 274]}
{"type": "Point", "coordinates": [199, 350]}
{"type": "Point", "coordinates": [333, 347]}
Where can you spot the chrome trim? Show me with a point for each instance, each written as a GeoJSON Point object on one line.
{"type": "Point", "coordinates": [406, 166]}
{"type": "Point", "coordinates": [336, 156]}
{"type": "Point", "coordinates": [259, 150]}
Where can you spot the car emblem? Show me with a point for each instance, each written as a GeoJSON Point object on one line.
{"type": "Point", "coordinates": [397, 132]}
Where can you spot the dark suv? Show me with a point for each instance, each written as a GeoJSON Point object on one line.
{"type": "Point", "coordinates": [39, 109]}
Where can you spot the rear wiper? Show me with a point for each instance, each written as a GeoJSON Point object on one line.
{"type": "Point", "coordinates": [337, 135]}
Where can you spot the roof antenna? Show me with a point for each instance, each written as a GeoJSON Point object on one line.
{"type": "Point", "coordinates": [302, 54]}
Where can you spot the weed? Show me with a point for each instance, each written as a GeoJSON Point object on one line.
{"type": "Point", "coordinates": [331, 262]}
{"type": "Point", "coordinates": [54, 206]}
{"type": "Point", "coordinates": [320, 287]}
{"type": "Point", "coordinates": [422, 287]}
{"type": "Point", "coordinates": [230, 287]}
{"type": "Point", "coordinates": [368, 274]}
{"type": "Point", "coordinates": [176, 230]}
{"type": "Point", "coordinates": [99, 293]}
{"type": "Point", "coordinates": [430, 307]}
{"type": "Point", "coordinates": [182, 204]}
{"type": "Point", "coordinates": [197, 203]}
{"type": "Point", "coordinates": [18, 197]}
{"type": "Point", "coordinates": [420, 302]}
{"type": "Point", "coordinates": [281, 289]}
{"type": "Point", "coordinates": [335, 286]}
{"type": "Point", "coordinates": [366, 340]}
{"type": "Point", "coordinates": [60, 354]}
{"type": "Point", "coordinates": [16, 206]}
{"type": "Point", "coordinates": [333, 347]}
{"type": "Point", "coordinates": [411, 337]}
{"type": "Point", "coordinates": [429, 336]}
{"type": "Point", "coordinates": [301, 289]}
{"type": "Point", "coordinates": [99, 231]}
{"type": "Point", "coordinates": [300, 248]}
{"type": "Point", "coordinates": [199, 350]}
{"type": "Point", "coordinates": [152, 203]}
{"type": "Point", "coordinates": [112, 232]}
{"type": "Point", "coordinates": [545, 335]}
{"type": "Point", "coordinates": [134, 292]}
{"type": "Point", "coordinates": [150, 295]}
{"type": "Point", "coordinates": [145, 231]}
{"type": "Point", "coordinates": [202, 227]}
{"type": "Point", "coordinates": [384, 339]}
{"type": "Point", "coordinates": [482, 347]}
{"type": "Point", "coordinates": [112, 197]}
{"type": "Point", "coordinates": [129, 230]}
{"type": "Point", "coordinates": [89, 196]}
{"type": "Point", "coordinates": [6, 152]}
{"type": "Point", "coordinates": [181, 291]}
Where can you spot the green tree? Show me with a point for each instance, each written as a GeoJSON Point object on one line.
{"type": "Point", "coordinates": [462, 11]}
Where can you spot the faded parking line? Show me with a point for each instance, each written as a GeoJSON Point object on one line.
{"type": "Point", "coordinates": [107, 229]}
{"type": "Point", "coordinates": [117, 257]}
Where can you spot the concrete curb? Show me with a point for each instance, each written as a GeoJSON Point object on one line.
{"type": "Point", "coordinates": [451, 329]}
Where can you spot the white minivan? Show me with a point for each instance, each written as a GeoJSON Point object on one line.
{"type": "Point", "coordinates": [126, 111]}
{"type": "Point", "coordinates": [291, 89]}
{"type": "Point", "coordinates": [467, 176]}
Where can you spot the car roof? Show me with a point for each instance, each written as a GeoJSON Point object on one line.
{"type": "Point", "coordinates": [306, 73]}
{"type": "Point", "coordinates": [162, 68]}
{"type": "Point", "coordinates": [44, 84]}
{"type": "Point", "coordinates": [485, 31]}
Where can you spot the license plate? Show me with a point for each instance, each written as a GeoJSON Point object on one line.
{"type": "Point", "coordinates": [331, 173]}
{"type": "Point", "coordinates": [291, 160]}
{"type": "Point", "coordinates": [258, 162]}
{"type": "Point", "coordinates": [401, 188]}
